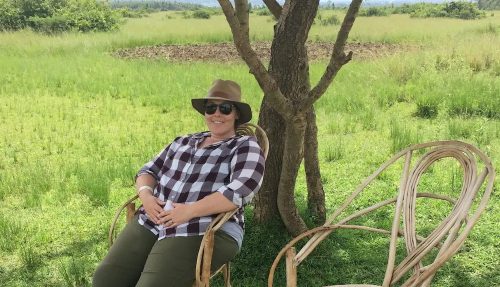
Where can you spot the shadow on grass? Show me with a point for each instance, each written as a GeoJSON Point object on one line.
{"type": "Point", "coordinates": [346, 257]}
{"type": "Point", "coordinates": [76, 248]}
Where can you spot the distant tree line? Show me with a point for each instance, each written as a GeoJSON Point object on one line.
{"type": "Point", "coordinates": [56, 16]}
{"type": "Point", "coordinates": [154, 5]}
{"type": "Point", "coordinates": [137, 8]}
{"type": "Point", "coordinates": [488, 4]}
{"type": "Point", "coordinates": [454, 9]}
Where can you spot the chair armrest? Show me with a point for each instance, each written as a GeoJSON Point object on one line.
{"type": "Point", "coordinates": [112, 228]}
{"type": "Point", "coordinates": [289, 250]}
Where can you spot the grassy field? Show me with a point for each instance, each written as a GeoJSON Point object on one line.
{"type": "Point", "coordinates": [76, 123]}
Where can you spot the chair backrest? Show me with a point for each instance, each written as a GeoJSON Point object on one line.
{"type": "Point", "coordinates": [250, 129]}
{"type": "Point", "coordinates": [448, 236]}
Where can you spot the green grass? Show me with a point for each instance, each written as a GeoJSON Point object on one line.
{"type": "Point", "coordinates": [76, 123]}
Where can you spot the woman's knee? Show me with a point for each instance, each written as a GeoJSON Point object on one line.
{"type": "Point", "coordinates": [225, 250]}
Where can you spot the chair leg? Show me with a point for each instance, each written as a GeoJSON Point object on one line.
{"type": "Point", "coordinates": [291, 268]}
{"type": "Point", "coordinates": [226, 272]}
{"type": "Point", "coordinates": [207, 258]}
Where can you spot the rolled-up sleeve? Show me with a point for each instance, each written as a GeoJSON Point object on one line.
{"type": "Point", "coordinates": [247, 173]}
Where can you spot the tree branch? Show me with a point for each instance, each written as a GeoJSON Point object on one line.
{"type": "Point", "coordinates": [338, 58]}
{"type": "Point", "coordinates": [274, 7]}
{"type": "Point", "coordinates": [241, 7]}
{"type": "Point", "coordinates": [242, 43]}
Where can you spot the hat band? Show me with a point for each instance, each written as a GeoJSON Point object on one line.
{"type": "Point", "coordinates": [221, 95]}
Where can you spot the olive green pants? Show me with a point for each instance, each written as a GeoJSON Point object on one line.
{"type": "Point", "coordinates": [137, 258]}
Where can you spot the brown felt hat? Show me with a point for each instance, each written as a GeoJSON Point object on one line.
{"type": "Point", "coordinates": [225, 90]}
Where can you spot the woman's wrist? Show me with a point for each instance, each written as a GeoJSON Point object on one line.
{"type": "Point", "coordinates": [145, 189]}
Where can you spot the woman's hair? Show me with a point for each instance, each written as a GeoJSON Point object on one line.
{"type": "Point", "coordinates": [236, 121]}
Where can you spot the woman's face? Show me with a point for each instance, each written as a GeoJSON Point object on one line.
{"type": "Point", "coordinates": [220, 123]}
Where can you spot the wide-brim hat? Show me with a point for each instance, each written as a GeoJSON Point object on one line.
{"type": "Point", "coordinates": [225, 90]}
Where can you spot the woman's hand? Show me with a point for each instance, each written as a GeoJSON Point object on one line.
{"type": "Point", "coordinates": [181, 213]}
{"type": "Point", "coordinates": [153, 206]}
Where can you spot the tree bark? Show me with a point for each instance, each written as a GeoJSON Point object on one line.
{"type": "Point", "coordinates": [292, 157]}
{"type": "Point", "coordinates": [262, 75]}
{"type": "Point", "coordinates": [315, 191]}
{"type": "Point", "coordinates": [241, 8]}
{"type": "Point", "coordinates": [274, 7]}
{"type": "Point", "coordinates": [289, 66]}
{"type": "Point", "coordinates": [266, 202]}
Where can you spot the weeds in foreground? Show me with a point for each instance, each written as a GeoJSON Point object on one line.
{"type": "Point", "coordinates": [402, 135]}
{"type": "Point", "coordinates": [75, 273]}
{"type": "Point", "coordinates": [335, 150]}
{"type": "Point", "coordinates": [30, 258]}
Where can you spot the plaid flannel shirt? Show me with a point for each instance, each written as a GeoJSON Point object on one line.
{"type": "Point", "coordinates": [185, 174]}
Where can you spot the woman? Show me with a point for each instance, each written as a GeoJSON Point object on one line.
{"type": "Point", "coordinates": [192, 179]}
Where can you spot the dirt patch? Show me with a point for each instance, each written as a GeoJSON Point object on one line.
{"type": "Point", "coordinates": [226, 52]}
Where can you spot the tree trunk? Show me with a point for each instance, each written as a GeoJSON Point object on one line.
{"type": "Point", "coordinates": [289, 66]}
{"type": "Point", "coordinates": [266, 205]}
{"type": "Point", "coordinates": [292, 157]}
{"type": "Point", "coordinates": [315, 191]}
{"type": "Point", "coordinates": [287, 111]}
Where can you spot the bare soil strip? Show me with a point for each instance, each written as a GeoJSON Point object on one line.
{"type": "Point", "coordinates": [226, 52]}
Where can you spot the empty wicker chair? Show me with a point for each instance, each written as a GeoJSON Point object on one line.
{"type": "Point", "coordinates": [448, 235]}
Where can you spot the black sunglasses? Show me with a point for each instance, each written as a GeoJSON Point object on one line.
{"type": "Point", "coordinates": [224, 108]}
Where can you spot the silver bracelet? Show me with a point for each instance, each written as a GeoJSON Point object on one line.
{"type": "Point", "coordinates": [145, 187]}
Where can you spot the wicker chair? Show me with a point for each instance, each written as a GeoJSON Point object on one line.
{"type": "Point", "coordinates": [204, 260]}
{"type": "Point", "coordinates": [447, 237]}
